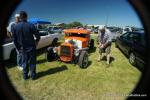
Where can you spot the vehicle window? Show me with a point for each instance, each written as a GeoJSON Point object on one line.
{"type": "Point", "coordinates": [134, 37]}
{"type": "Point", "coordinates": [76, 35]}
{"type": "Point", "coordinates": [50, 28]}
{"type": "Point", "coordinates": [43, 33]}
{"type": "Point", "coordinates": [127, 29]}
{"type": "Point", "coordinates": [56, 28]}
{"type": "Point", "coordinates": [51, 32]}
{"type": "Point", "coordinates": [125, 36]}
{"type": "Point", "coordinates": [130, 37]}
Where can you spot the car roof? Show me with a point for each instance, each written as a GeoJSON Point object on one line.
{"type": "Point", "coordinates": [83, 31]}
{"type": "Point", "coordinates": [138, 32]}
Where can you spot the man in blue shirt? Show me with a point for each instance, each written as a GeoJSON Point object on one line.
{"type": "Point", "coordinates": [23, 35]}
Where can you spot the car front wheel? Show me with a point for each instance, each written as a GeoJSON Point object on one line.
{"type": "Point", "coordinates": [13, 57]}
{"type": "Point", "coordinates": [83, 59]}
{"type": "Point", "coordinates": [50, 55]}
{"type": "Point", "coordinates": [132, 59]}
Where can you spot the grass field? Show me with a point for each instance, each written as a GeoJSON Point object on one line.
{"type": "Point", "coordinates": [61, 81]}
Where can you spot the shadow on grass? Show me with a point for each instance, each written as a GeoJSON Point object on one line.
{"type": "Point", "coordinates": [89, 63]}
{"type": "Point", "coordinates": [41, 51]}
{"type": "Point", "coordinates": [41, 61]}
{"type": "Point", "coordinates": [111, 59]}
{"type": "Point", "coordinates": [52, 71]}
{"type": "Point", "coordinates": [92, 50]}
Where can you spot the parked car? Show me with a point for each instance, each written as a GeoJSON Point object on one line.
{"type": "Point", "coordinates": [133, 44]}
{"type": "Point", "coordinates": [47, 38]}
{"type": "Point", "coordinates": [114, 32]}
{"type": "Point", "coordinates": [127, 29]}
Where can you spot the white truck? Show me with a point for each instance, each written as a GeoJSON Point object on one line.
{"type": "Point", "coordinates": [47, 38]}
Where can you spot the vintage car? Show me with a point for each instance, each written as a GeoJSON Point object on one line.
{"type": "Point", "coordinates": [74, 49]}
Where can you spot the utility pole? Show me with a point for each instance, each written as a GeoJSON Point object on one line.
{"type": "Point", "coordinates": [107, 15]}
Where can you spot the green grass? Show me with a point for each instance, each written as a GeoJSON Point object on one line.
{"type": "Point", "coordinates": [65, 81]}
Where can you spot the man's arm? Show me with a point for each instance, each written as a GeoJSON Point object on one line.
{"type": "Point", "coordinates": [36, 34]}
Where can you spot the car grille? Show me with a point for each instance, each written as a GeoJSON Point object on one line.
{"type": "Point", "coordinates": [65, 51]}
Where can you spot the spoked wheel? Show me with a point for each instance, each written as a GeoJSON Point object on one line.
{"type": "Point", "coordinates": [132, 59]}
{"type": "Point", "coordinates": [50, 55]}
{"type": "Point", "coordinates": [83, 59]}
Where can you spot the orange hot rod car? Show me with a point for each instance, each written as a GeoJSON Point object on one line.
{"type": "Point", "coordinates": [74, 49]}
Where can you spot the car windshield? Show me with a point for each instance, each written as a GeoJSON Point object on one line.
{"type": "Point", "coordinates": [127, 29]}
{"type": "Point", "coordinates": [76, 35]}
{"type": "Point", "coordinates": [112, 29]}
{"type": "Point", "coordinates": [42, 27]}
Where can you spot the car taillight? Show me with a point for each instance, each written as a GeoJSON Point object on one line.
{"type": "Point", "coordinates": [65, 51]}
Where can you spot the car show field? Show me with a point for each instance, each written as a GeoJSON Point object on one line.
{"type": "Point", "coordinates": [58, 80]}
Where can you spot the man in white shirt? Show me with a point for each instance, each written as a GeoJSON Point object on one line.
{"type": "Point", "coordinates": [104, 40]}
{"type": "Point", "coordinates": [9, 29]}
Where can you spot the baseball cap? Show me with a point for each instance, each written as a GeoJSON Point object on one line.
{"type": "Point", "coordinates": [102, 27]}
{"type": "Point", "coordinates": [17, 15]}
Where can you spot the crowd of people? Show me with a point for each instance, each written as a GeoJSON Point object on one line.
{"type": "Point", "coordinates": [23, 34]}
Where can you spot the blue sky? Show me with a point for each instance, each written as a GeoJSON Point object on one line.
{"type": "Point", "coordinates": [112, 12]}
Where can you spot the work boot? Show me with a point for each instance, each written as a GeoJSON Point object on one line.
{"type": "Point", "coordinates": [25, 77]}
{"type": "Point", "coordinates": [33, 76]}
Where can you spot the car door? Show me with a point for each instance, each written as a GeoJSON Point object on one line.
{"type": "Point", "coordinates": [51, 37]}
{"type": "Point", "coordinates": [55, 35]}
{"type": "Point", "coordinates": [140, 48]}
{"type": "Point", "coordinates": [44, 39]}
{"type": "Point", "coordinates": [123, 42]}
{"type": "Point", "coordinates": [129, 42]}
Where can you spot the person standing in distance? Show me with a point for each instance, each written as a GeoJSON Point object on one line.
{"type": "Point", "coordinates": [24, 33]}
{"type": "Point", "coordinates": [9, 32]}
{"type": "Point", "coordinates": [104, 40]}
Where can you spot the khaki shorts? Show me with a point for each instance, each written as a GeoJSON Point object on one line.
{"type": "Point", "coordinates": [105, 50]}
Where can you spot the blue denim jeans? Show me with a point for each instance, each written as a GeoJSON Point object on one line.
{"type": "Point", "coordinates": [19, 58]}
{"type": "Point", "coordinates": [29, 62]}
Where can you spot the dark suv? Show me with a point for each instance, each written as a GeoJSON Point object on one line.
{"type": "Point", "coordinates": [133, 44]}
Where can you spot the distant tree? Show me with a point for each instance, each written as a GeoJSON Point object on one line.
{"type": "Point", "coordinates": [71, 25]}
{"type": "Point", "coordinates": [93, 27]}
{"type": "Point", "coordinates": [75, 24]}
{"type": "Point", "coordinates": [63, 25]}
